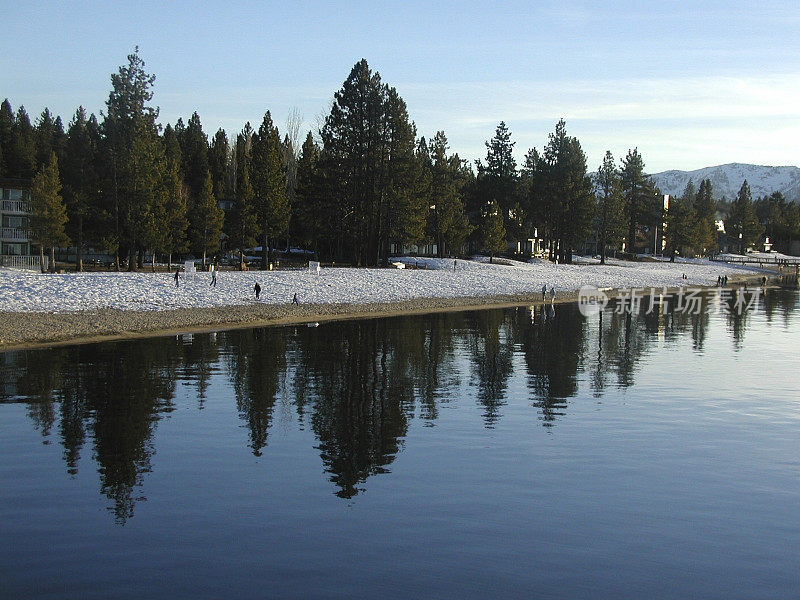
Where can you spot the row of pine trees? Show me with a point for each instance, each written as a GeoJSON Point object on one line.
{"type": "Point", "coordinates": [123, 185]}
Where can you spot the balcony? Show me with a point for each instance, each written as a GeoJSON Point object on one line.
{"type": "Point", "coordinates": [12, 233]}
{"type": "Point", "coordinates": [19, 207]}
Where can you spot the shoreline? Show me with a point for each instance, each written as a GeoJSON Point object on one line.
{"type": "Point", "coordinates": [29, 330]}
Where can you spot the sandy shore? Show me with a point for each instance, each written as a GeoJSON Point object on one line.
{"type": "Point", "coordinates": [36, 329]}
{"type": "Point", "coordinates": [27, 330]}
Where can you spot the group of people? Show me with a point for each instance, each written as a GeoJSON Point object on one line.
{"type": "Point", "coordinates": [213, 283]}
{"type": "Point", "coordinates": [722, 280]}
{"type": "Point", "coordinates": [552, 293]}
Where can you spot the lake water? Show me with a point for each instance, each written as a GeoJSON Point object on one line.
{"type": "Point", "coordinates": [513, 453]}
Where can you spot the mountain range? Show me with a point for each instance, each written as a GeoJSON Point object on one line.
{"type": "Point", "coordinates": [727, 179]}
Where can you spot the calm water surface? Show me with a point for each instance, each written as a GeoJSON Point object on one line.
{"type": "Point", "coordinates": [501, 453]}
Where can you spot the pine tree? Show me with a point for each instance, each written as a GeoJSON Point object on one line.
{"type": "Point", "coordinates": [451, 224]}
{"type": "Point", "coordinates": [307, 214]}
{"type": "Point", "coordinates": [269, 186]}
{"type": "Point", "coordinates": [497, 180]}
{"type": "Point", "coordinates": [611, 213]}
{"type": "Point", "coordinates": [48, 215]}
{"type": "Point", "coordinates": [176, 220]}
{"type": "Point", "coordinates": [219, 155]}
{"type": "Point", "coordinates": [559, 193]}
{"type": "Point", "coordinates": [493, 233]}
{"type": "Point", "coordinates": [742, 221]}
{"type": "Point", "coordinates": [135, 168]}
{"type": "Point", "coordinates": [21, 156]}
{"type": "Point", "coordinates": [681, 222]}
{"type": "Point", "coordinates": [242, 225]}
{"type": "Point", "coordinates": [49, 138]}
{"type": "Point", "coordinates": [642, 199]}
{"type": "Point", "coordinates": [367, 166]}
{"type": "Point", "coordinates": [80, 177]}
{"type": "Point", "coordinates": [194, 154]}
{"type": "Point", "coordinates": [704, 210]}
{"type": "Point", "coordinates": [403, 205]}
{"type": "Point", "coordinates": [205, 221]}
{"type": "Point", "coordinates": [6, 137]}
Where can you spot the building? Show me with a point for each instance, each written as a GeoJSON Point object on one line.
{"type": "Point", "coordinates": [15, 245]}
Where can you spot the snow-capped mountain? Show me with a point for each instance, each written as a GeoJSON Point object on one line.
{"type": "Point", "coordinates": [727, 179]}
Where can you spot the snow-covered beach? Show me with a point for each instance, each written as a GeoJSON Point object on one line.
{"type": "Point", "coordinates": [38, 308]}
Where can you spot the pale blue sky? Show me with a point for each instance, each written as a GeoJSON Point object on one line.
{"type": "Point", "coordinates": [692, 84]}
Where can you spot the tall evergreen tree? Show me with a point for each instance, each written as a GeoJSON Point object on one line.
{"type": "Point", "coordinates": [742, 221]}
{"type": "Point", "coordinates": [21, 156]}
{"type": "Point", "coordinates": [219, 156]}
{"type": "Point", "coordinates": [450, 224]}
{"type": "Point", "coordinates": [242, 225]}
{"type": "Point", "coordinates": [80, 177]}
{"type": "Point", "coordinates": [493, 233]}
{"type": "Point", "coordinates": [269, 186]}
{"type": "Point", "coordinates": [610, 208]}
{"type": "Point", "coordinates": [308, 220]}
{"type": "Point", "coordinates": [402, 203]}
{"type": "Point", "coordinates": [681, 222]}
{"type": "Point", "coordinates": [560, 193]}
{"type": "Point", "coordinates": [135, 169]}
{"type": "Point", "coordinates": [642, 199]}
{"type": "Point", "coordinates": [176, 222]}
{"type": "Point", "coordinates": [205, 221]}
{"type": "Point", "coordinates": [6, 137]}
{"type": "Point", "coordinates": [194, 154]}
{"type": "Point", "coordinates": [497, 179]}
{"type": "Point", "coordinates": [49, 138]}
{"type": "Point", "coordinates": [48, 215]}
{"type": "Point", "coordinates": [367, 165]}
{"type": "Point", "coordinates": [705, 209]}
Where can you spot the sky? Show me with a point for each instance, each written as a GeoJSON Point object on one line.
{"type": "Point", "coordinates": [690, 84]}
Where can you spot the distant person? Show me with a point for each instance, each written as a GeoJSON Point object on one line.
{"type": "Point", "coordinates": [544, 292]}
{"type": "Point", "coordinates": [454, 266]}
{"type": "Point", "coordinates": [257, 290]}
{"type": "Point", "coordinates": [213, 277]}
{"type": "Point", "coordinates": [177, 276]}
{"type": "Point", "coordinates": [764, 280]}
{"type": "Point", "coordinates": [552, 294]}
{"type": "Point", "coordinates": [719, 280]}
{"type": "Point", "coordinates": [295, 300]}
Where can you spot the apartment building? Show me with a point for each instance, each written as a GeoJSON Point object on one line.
{"type": "Point", "coordinates": [15, 246]}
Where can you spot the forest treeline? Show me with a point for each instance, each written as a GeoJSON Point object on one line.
{"type": "Point", "coordinates": [365, 186]}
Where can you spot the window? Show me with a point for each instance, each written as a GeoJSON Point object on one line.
{"type": "Point", "coordinates": [15, 249]}
{"type": "Point", "coordinates": [15, 222]}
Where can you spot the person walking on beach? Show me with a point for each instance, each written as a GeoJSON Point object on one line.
{"type": "Point", "coordinates": [213, 277]}
{"type": "Point", "coordinates": [295, 300]}
{"type": "Point", "coordinates": [257, 290]}
{"type": "Point", "coordinates": [544, 292]}
{"type": "Point", "coordinates": [552, 294]}
{"type": "Point", "coordinates": [177, 276]}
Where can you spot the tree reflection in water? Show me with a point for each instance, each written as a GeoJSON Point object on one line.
{"type": "Point", "coordinates": [358, 384]}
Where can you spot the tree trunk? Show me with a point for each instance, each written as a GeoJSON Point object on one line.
{"type": "Point", "coordinates": [169, 262]}
{"type": "Point", "coordinates": [52, 259]}
{"type": "Point", "coordinates": [79, 246]}
{"type": "Point", "coordinates": [41, 258]}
